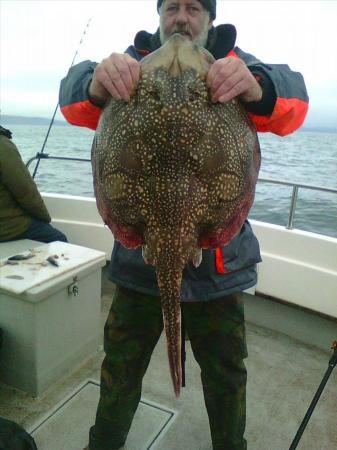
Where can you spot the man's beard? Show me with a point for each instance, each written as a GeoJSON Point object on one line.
{"type": "Point", "coordinates": [184, 30]}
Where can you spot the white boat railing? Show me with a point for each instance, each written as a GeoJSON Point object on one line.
{"type": "Point", "coordinates": [294, 196]}
{"type": "Point", "coordinates": [295, 186]}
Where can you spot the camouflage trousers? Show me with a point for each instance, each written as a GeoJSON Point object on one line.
{"type": "Point", "coordinates": [217, 335]}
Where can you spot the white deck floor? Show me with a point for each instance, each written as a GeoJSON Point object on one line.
{"type": "Point", "coordinates": [283, 375]}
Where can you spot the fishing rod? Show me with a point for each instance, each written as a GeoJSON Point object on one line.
{"type": "Point", "coordinates": [40, 155]}
{"type": "Point", "coordinates": [332, 365]}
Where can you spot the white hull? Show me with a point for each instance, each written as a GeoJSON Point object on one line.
{"type": "Point", "coordinates": [298, 267]}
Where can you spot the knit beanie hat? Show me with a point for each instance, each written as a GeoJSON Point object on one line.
{"type": "Point", "coordinates": [210, 5]}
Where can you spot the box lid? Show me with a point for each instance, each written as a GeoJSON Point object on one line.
{"type": "Point", "coordinates": [36, 270]}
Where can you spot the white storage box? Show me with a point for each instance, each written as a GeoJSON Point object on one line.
{"type": "Point", "coordinates": [50, 315]}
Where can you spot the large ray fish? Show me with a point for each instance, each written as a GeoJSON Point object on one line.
{"type": "Point", "coordinates": [174, 172]}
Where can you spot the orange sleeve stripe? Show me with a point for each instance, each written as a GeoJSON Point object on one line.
{"type": "Point", "coordinates": [219, 264]}
{"type": "Point", "coordinates": [82, 114]}
{"type": "Point", "coordinates": [288, 116]}
{"type": "Point", "coordinates": [232, 53]}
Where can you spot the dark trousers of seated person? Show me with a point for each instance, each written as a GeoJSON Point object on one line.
{"type": "Point", "coordinates": [42, 232]}
{"type": "Point", "coordinates": [217, 335]}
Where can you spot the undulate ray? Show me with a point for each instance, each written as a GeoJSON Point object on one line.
{"type": "Point", "coordinates": [174, 172]}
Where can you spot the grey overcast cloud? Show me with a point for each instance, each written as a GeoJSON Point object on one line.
{"type": "Point", "coordinates": [40, 38]}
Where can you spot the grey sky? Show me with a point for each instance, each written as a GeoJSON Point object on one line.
{"type": "Point", "coordinates": [39, 39]}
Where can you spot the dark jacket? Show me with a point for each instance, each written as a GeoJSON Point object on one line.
{"type": "Point", "coordinates": [282, 110]}
{"type": "Point", "coordinates": [20, 200]}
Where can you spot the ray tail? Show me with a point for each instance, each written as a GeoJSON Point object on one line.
{"type": "Point", "coordinates": [169, 284]}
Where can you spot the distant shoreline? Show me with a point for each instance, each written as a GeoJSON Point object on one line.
{"type": "Point", "coordinates": [7, 120]}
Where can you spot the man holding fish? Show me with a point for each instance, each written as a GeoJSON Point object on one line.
{"type": "Point", "coordinates": [276, 101]}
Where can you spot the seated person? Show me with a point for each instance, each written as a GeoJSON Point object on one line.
{"type": "Point", "coordinates": [23, 214]}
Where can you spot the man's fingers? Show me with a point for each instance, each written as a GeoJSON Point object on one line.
{"type": "Point", "coordinates": [118, 74]}
{"type": "Point", "coordinates": [229, 78]}
{"type": "Point", "coordinates": [124, 74]}
{"type": "Point", "coordinates": [122, 78]}
{"type": "Point", "coordinates": [230, 87]}
{"type": "Point", "coordinates": [110, 86]}
{"type": "Point", "coordinates": [220, 70]}
{"type": "Point", "coordinates": [101, 81]}
{"type": "Point", "coordinates": [134, 67]}
{"type": "Point", "coordinates": [231, 93]}
{"type": "Point", "coordinates": [120, 85]}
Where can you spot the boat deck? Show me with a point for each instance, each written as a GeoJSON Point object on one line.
{"type": "Point", "coordinates": [288, 356]}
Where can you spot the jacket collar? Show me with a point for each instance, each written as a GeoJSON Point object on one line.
{"type": "Point", "coordinates": [221, 41]}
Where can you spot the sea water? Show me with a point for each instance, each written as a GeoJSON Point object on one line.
{"type": "Point", "coordinates": [303, 157]}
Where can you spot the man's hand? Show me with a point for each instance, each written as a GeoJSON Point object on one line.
{"type": "Point", "coordinates": [230, 77]}
{"type": "Point", "coordinates": [117, 75]}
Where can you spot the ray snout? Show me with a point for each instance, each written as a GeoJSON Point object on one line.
{"type": "Point", "coordinates": [177, 55]}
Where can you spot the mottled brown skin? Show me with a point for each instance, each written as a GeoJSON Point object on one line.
{"type": "Point", "coordinates": [174, 172]}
